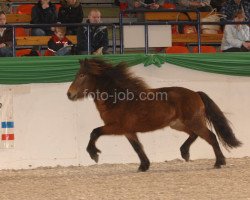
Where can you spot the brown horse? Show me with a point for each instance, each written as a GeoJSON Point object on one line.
{"type": "Point", "coordinates": [127, 106]}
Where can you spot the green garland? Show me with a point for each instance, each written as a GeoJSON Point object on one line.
{"type": "Point", "coordinates": [23, 70]}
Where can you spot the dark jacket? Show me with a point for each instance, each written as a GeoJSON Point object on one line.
{"type": "Point", "coordinates": [43, 16]}
{"type": "Point", "coordinates": [54, 44]}
{"type": "Point", "coordinates": [230, 8]}
{"type": "Point", "coordinates": [7, 37]}
{"type": "Point", "coordinates": [98, 38]}
{"type": "Point", "coordinates": [70, 14]}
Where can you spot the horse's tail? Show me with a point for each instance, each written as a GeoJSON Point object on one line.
{"type": "Point", "coordinates": [220, 123]}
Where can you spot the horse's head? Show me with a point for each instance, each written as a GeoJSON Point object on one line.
{"type": "Point", "coordinates": [85, 79]}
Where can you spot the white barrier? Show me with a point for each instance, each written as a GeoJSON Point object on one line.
{"type": "Point", "coordinates": [50, 130]}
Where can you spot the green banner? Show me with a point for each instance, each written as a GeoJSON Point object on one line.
{"type": "Point", "coordinates": [23, 70]}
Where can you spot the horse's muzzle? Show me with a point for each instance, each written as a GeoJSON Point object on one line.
{"type": "Point", "coordinates": [71, 96]}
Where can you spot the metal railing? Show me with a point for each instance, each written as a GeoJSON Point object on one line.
{"type": "Point", "coordinates": [196, 22]}
{"type": "Point", "coordinates": [121, 25]}
{"type": "Point", "coordinates": [146, 23]}
{"type": "Point", "coordinates": [88, 25]}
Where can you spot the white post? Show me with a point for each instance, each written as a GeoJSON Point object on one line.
{"type": "Point", "coordinates": [6, 119]}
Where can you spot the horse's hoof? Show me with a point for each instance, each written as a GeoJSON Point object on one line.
{"type": "Point", "coordinates": [93, 152]}
{"type": "Point", "coordinates": [217, 166]}
{"type": "Point", "coordinates": [185, 156]}
{"type": "Point", "coordinates": [219, 162]}
{"type": "Point", "coordinates": [95, 158]}
{"type": "Point", "coordinates": [143, 167]}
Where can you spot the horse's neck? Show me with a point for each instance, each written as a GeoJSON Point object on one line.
{"type": "Point", "coordinates": [100, 105]}
{"type": "Point", "coordinates": [104, 111]}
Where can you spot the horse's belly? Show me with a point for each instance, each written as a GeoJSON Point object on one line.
{"type": "Point", "coordinates": [149, 121]}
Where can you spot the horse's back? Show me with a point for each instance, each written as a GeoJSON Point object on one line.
{"type": "Point", "coordinates": [176, 90]}
{"type": "Point", "coordinates": [179, 93]}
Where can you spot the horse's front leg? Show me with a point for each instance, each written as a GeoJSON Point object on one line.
{"type": "Point", "coordinates": [91, 148]}
{"type": "Point", "coordinates": [134, 141]}
{"type": "Point", "coordinates": [96, 133]}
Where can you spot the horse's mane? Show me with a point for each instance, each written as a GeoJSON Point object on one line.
{"type": "Point", "coordinates": [116, 77]}
{"type": "Point", "coordinates": [112, 79]}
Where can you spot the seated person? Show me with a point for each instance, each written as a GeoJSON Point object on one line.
{"type": "Point", "coordinates": [231, 7]}
{"type": "Point", "coordinates": [59, 44]}
{"type": "Point", "coordinates": [98, 35]}
{"type": "Point", "coordinates": [201, 5]}
{"type": "Point", "coordinates": [5, 37]}
{"type": "Point", "coordinates": [151, 4]}
{"type": "Point", "coordinates": [236, 37]}
{"type": "Point", "coordinates": [70, 12]}
{"type": "Point", "coordinates": [44, 12]}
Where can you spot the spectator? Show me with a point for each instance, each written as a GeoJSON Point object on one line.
{"type": "Point", "coordinates": [5, 37]}
{"type": "Point", "coordinates": [201, 5]}
{"type": "Point", "coordinates": [70, 12]}
{"type": "Point", "coordinates": [236, 37]}
{"type": "Point", "coordinates": [230, 7]}
{"type": "Point", "coordinates": [59, 44]}
{"type": "Point", "coordinates": [151, 4]}
{"type": "Point", "coordinates": [44, 12]}
{"type": "Point", "coordinates": [98, 35]}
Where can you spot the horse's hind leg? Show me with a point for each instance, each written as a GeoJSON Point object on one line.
{"type": "Point", "coordinates": [210, 137]}
{"type": "Point", "coordinates": [134, 141]}
{"type": "Point", "coordinates": [186, 146]}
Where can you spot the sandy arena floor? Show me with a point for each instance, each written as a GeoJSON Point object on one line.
{"type": "Point", "coordinates": [170, 180]}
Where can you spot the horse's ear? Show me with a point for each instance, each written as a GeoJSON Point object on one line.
{"type": "Point", "coordinates": [91, 66]}
{"type": "Point", "coordinates": [81, 62]}
{"type": "Point", "coordinates": [84, 65]}
{"type": "Point", "coordinates": [86, 61]}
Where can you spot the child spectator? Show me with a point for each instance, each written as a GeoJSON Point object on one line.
{"type": "Point", "coordinates": [70, 12]}
{"type": "Point", "coordinates": [5, 37]}
{"type": "Point", "coordinates": [236, 37]}
{"type": "Point", "coordinates": [44, 12]}
{"type": "Point", "coordinates": [59, 44]}
{"type": "Point", "coordinates": [98, 35]}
